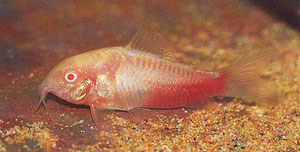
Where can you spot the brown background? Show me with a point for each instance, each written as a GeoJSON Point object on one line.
{"type": "Point", "coordinates": [35, 35]}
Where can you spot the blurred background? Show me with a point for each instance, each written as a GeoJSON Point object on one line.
{"type": "Point", "coordinates": [36, 35]}
{"type": "Point", "coordinates": [59, 28]}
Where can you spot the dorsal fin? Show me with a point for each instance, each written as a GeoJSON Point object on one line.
{"type": "Point", "coordinates": [150, 42]}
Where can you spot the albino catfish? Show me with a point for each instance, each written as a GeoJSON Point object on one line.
{"type": "Point", "coordinates": [124, 78]}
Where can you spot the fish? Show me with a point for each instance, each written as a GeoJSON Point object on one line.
{"type": "Point", "coordinates": [141, 75]}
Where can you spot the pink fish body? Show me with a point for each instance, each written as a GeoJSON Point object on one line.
{"type": "Point", "coordinates": [128, 77]}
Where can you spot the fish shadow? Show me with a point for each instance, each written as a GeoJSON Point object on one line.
{"type": "Point", "coordinates": [138, 115]}
{"type": "Point", "coordinates": [144, 114]}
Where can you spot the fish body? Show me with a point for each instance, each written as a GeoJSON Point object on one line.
{"type": "Point", "coordinates": [145, 80]}
{"type": "Point", "coordinates": [130, 77]}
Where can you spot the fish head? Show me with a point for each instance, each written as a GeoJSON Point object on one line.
{"type": "Point", "coordinates": [73, 78]}
{"type": "Point", "coordinates": [70, 80]}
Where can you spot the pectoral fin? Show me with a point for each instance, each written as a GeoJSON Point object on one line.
{"type": "Point", "coordinates": [98, 116]}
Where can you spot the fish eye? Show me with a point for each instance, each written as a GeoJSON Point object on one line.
{"type": "Point", "coordinates": [71, 77]}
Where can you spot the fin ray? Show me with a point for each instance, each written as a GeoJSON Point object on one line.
{"type": "Point", "coordinates": [243, 79]}
{"type": "Point", "coordinates": [97, 115]}
{"type": "Point", "coordinates": [150, 42]}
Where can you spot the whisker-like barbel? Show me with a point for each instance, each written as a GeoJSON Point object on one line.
{"type": "Point", "coordinates": [42, 101]}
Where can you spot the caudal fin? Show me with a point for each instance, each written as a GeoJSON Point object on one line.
{"type": "Point", "coordinates": [243, 79]}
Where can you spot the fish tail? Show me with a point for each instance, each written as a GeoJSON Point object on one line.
{"type": "Point", "coordinates": [243, 79]}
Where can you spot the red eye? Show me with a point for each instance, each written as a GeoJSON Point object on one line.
{"type": "Point", "coordinates": [71, 77]}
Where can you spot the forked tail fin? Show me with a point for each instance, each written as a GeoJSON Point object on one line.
{"type": "Point", "coordinates": [243, 79]}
